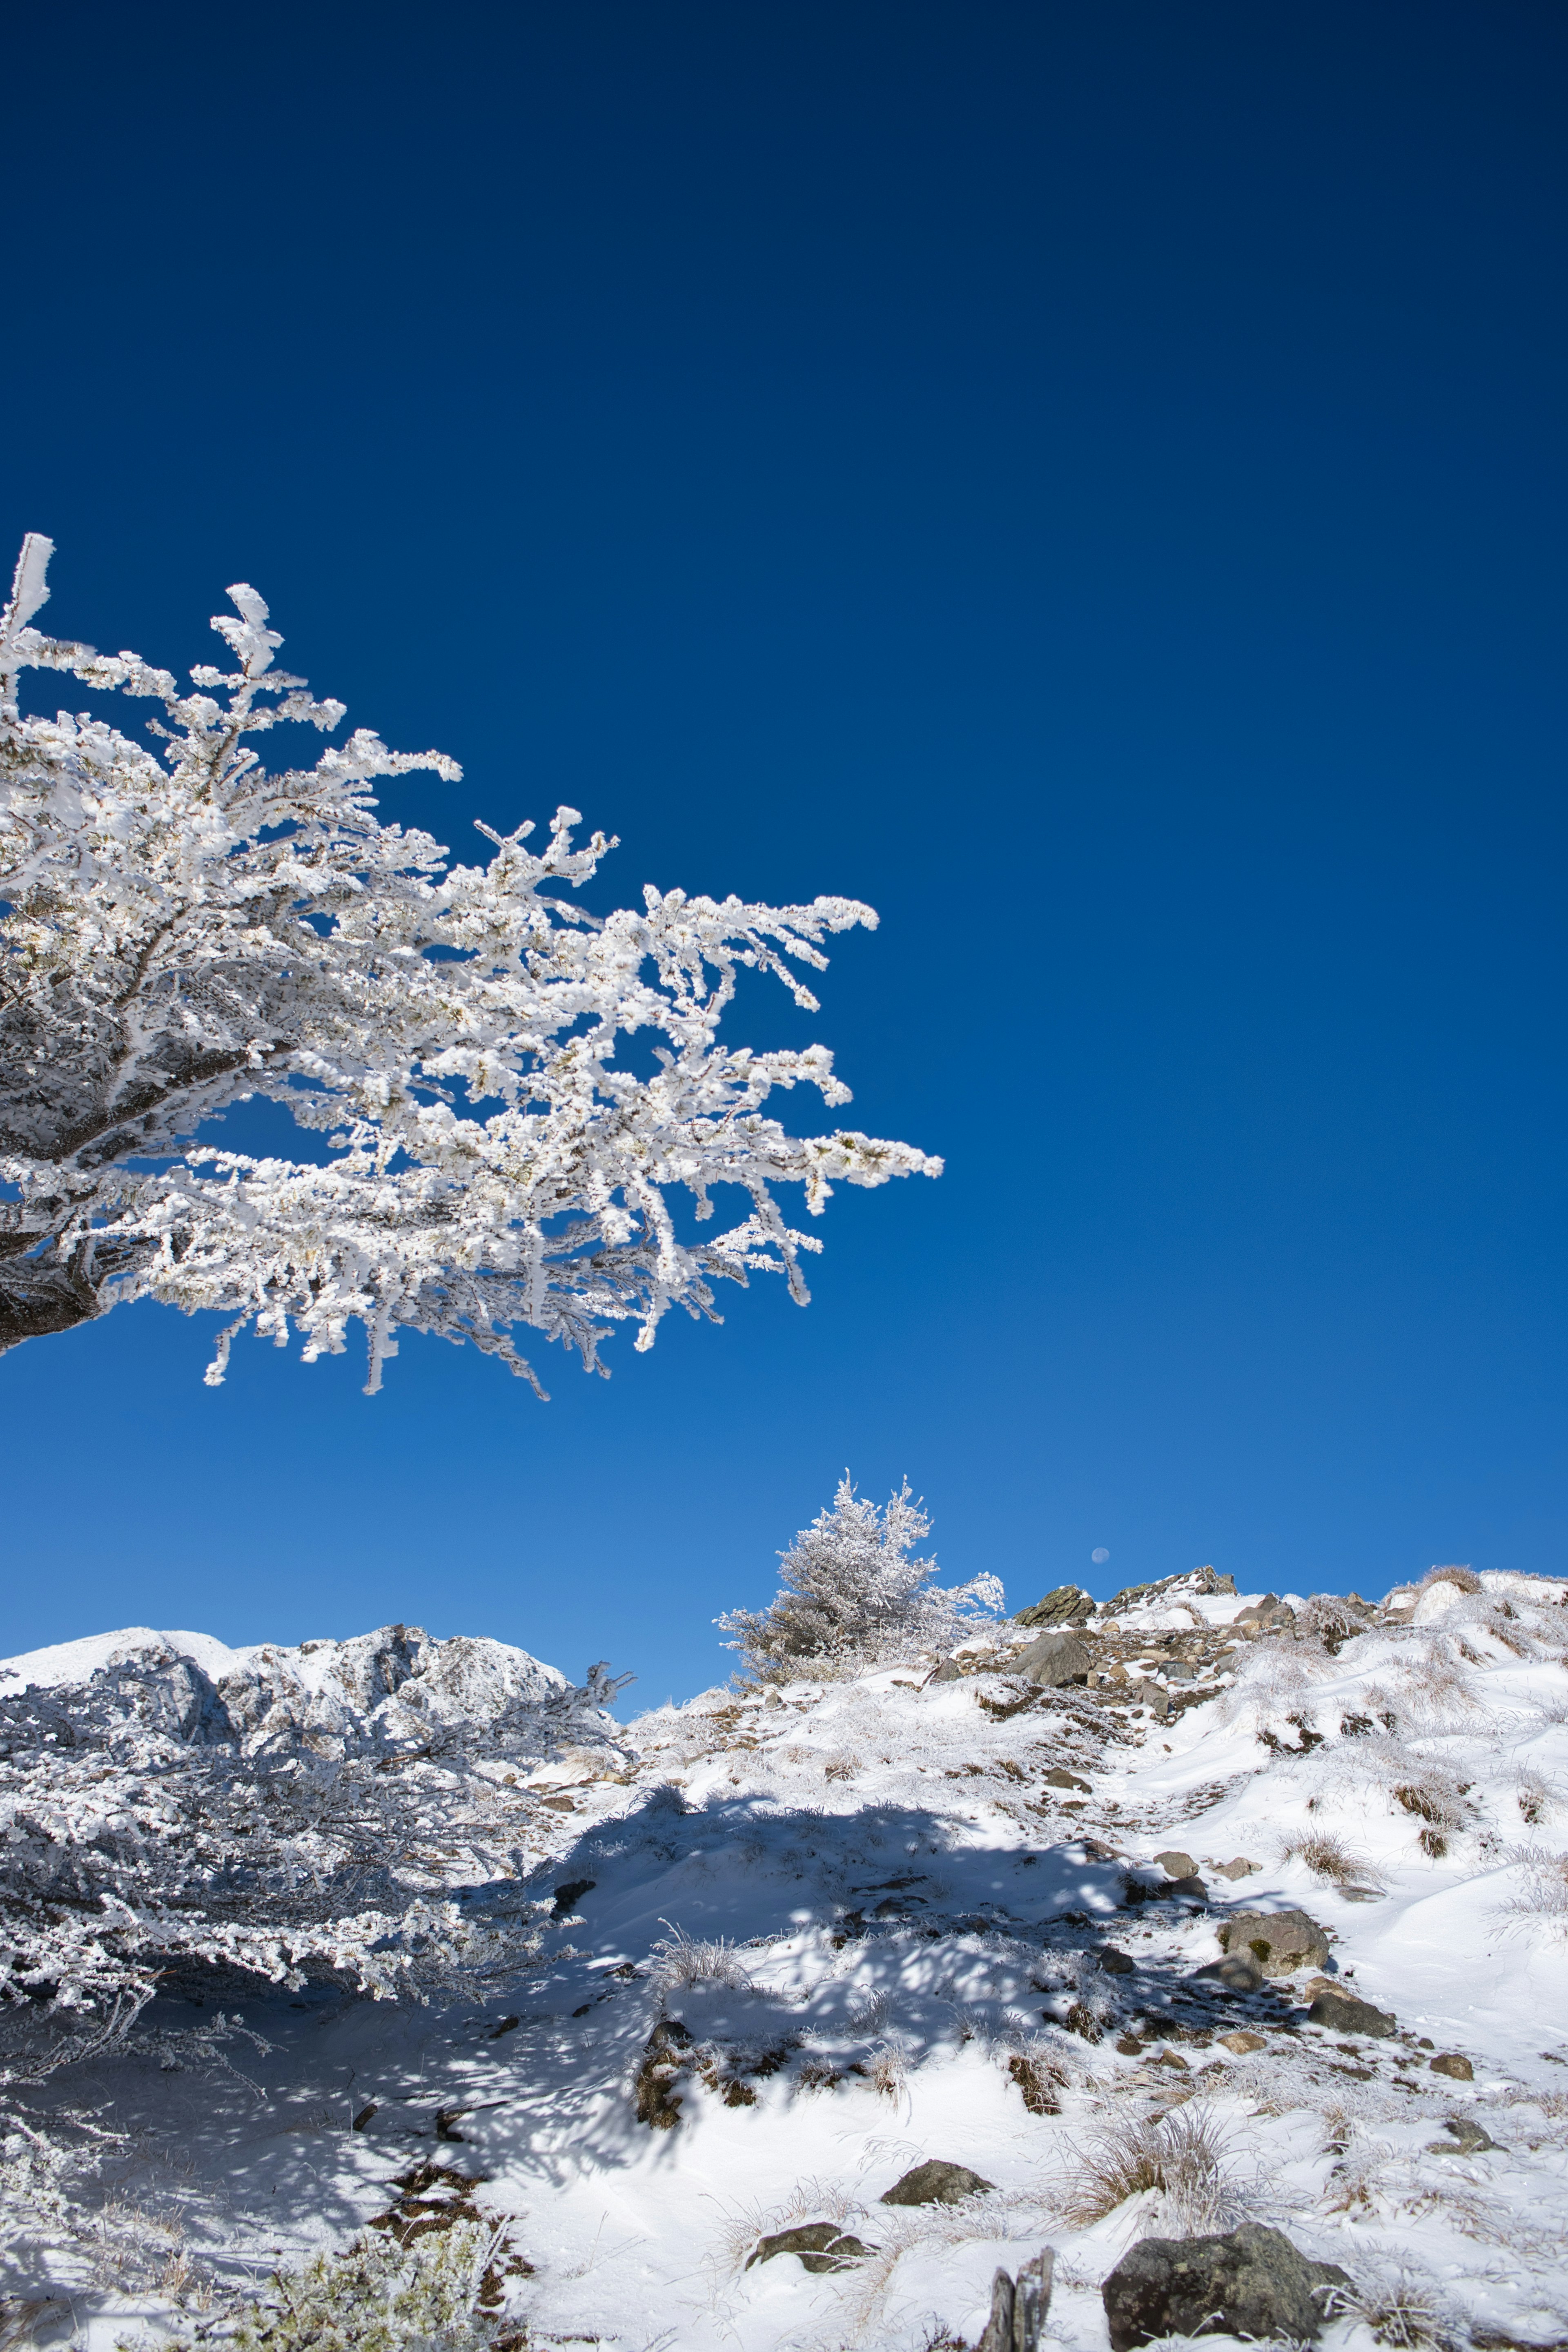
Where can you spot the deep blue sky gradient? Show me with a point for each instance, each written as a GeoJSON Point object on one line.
{"type": "Point", "coordinates": [1090, 481]}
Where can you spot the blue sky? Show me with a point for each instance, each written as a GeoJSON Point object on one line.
{"type": "Point", "coordinates": [1088, 481]}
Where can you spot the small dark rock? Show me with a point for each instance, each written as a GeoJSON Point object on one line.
{"type": "Point", "coordinates": [936, 2182]}
{"type": "Point", "coordinates": [1449, 2062]}
{"type": "Point", "coordinates": [1250, 2282]}
{"type": "Point", "coordinates": [1175, 1864]}
{"type": "Point", "coordinates": [573, 1891]}
{"type": "Point", "coordinates": [656, 2101]}
{"type": "Point", "coordinates": [948, 1672]}
{"type": "Point", "coordinates": [1057, 1777]}
{"type": "Point", "coordinates": [1343, 2013]}
{"type": "Point", "coordinates": [821, 2246]}
{"type": "Point", "coordinates": [1019, 2308]}
{"type": "Point", "coordinates": [1115, 1963]}
{"type": "Point", "coordinates": [1467, 2138]}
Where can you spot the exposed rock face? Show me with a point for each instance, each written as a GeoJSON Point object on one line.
{"type": "Point", "coordinates": [936, 2182]}
{"type": "Point", "coordinates": [1019, 2308]}
{"type": "Point", "coordinates": [1250, 2282]}
{"type": "Point", "coordinates": [1067, 1605]}
{"type": "Point", "coordinates": [1279, 1941]}
{"type": "Point", "coordinates": [1053, 1659]}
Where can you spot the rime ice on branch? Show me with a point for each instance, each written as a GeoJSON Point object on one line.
{"type": "Point", "coordinates": [187, 930]}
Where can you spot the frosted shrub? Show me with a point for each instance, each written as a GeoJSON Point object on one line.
{"type": "Point", "coordinates": [852, 1597]}
{"type": "Point", "coordinates": [679, 1960]}
{"type": "Point", "coordinates": [379, 2296]}
{"type": "Point", "coordinates": [183, 932]}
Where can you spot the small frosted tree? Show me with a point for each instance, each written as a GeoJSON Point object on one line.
{"type": "Point", "coordinates": [183, 931]}
{"type": "Point", "coordinates": [851, 1597]}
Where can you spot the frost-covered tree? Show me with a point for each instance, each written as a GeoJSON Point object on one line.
{"type": "Point", "coordinates": [184, 930]}
{"type": "Point", "coordinates": [851, 1597]}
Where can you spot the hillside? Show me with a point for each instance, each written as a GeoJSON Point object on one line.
{"type": "Point", "coordinates": [805, 1938]}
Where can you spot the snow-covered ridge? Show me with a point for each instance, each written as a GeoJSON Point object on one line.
{"type": "Point", "coordinates": [822, 1932]}
{"type": "Point", "coordinates": [394, 1685]}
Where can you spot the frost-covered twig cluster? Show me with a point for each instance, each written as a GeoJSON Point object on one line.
{"type": "Point", "coordinates": [183, 932]}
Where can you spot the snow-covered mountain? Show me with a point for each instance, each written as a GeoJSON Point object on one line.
{"type": "Point", "coordinates": [814, 1936]}
{"type": "Point", "coordinates": [394, 1685]}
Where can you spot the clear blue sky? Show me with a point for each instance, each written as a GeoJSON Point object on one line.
{"type": "Point", "coordinates": [1089, 480]}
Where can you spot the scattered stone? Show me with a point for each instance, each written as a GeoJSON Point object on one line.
{"type": "Point", "coordinates": [573, 1891]}
{"type": "Point", "coordinates": [1257, 1610]}
{"type": "Point", "coordinates": [1058, 1779]}
{"type": "Point", "coordinates": [1342, 2013]}
{"type": "Point", "coordinates": [1281, 1942]}
{"type": "Point", "coordinates": [1237, 1867]}
{"type": "Point", "coordinates": [1172, 2058]}
{"type": "Point", "coordinates": [1054, 1659]}
{"type": "Point", "coordinates": [936, 2182]}
{"type": "Point", "coordinates": [1177, 1670]}
{"type": "Point", "coordinates": [1467, 2138]}
{"type": "Point", "coordinates": [1244, 2041]}
{"type": "Point", "coordinates": [1250, 2282]}
{"type": "Point", "coordinates": [948, 1672]}
{"type": "Point", "coordinates": [1065, 1605]}
{"type": "Point", "coordinates": [1449, 2062]}
{"type": "Point", "coordinates": [821, 2246]}
{"type": "Point", "coordinates": [1115, 1963]}
{"type": "Point", "coordinates": [505, 2025]}
{"type": "Point", "coordinates": [1175, 1864]}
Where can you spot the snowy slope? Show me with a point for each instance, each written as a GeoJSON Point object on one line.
{"type": "Point", "coordinates": [822, 1933]}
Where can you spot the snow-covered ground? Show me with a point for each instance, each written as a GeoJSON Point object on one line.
{"type": "Point", "coordinates": [813, 1936]}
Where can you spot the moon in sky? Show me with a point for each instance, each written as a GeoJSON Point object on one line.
{"type": "Point", "coordinates": [1100, 1556]}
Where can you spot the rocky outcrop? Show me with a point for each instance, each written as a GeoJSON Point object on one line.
{"type": "Point", "coordinates": [1067, 1605]}
{"type": "Point", "coordinates": [1251, 2283]}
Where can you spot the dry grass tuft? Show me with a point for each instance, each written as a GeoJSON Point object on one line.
{"type": "Point", "coordinates": [1180, 2158]}
{"type": "Point", "coordinates": [681, 1960]}
{"type": "Point", "coordinates": [1543, 1898]}
{"type": "Point", "coordinates": [1329, 1858]}
{"type": "Point", "coordinates": [1400, 2309]}
{"type": "Point", "coordinates": [1465, 1577]}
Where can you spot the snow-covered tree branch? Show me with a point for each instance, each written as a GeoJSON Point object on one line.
{"type": "Point", "coordinates": [187, 930]}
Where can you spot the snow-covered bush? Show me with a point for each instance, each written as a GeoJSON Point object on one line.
{"type": "Point", "coordinates": [434, 2296]}
{"type": "Point", "coordinates": [182, 932]}
{"type": "Point", "coordinates": [154, 1823]}
{"type": "Point", "coordinates": [852, 1597]}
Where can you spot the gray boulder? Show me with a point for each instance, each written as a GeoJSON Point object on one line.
{"type": "Point", "coordinates": [1250, 2282]}
{"type": "Point", "coordinates": [1053, 1659]}
{"type": "Point", "coordinates": [1279, 1941]}
{"type": "Point", "coordinates": [936, 2182]}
